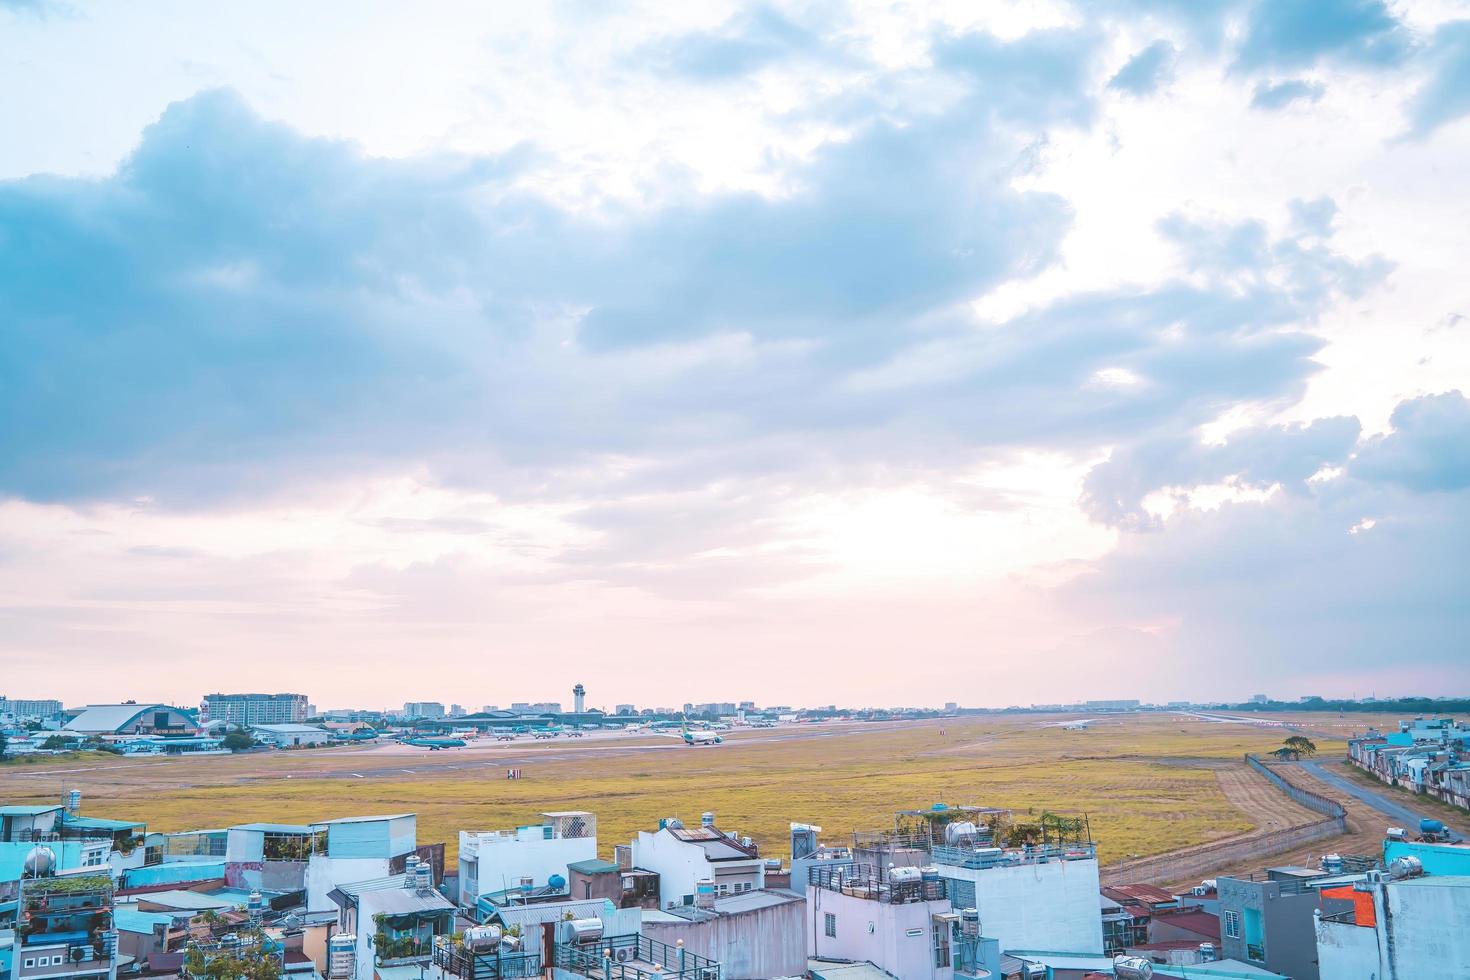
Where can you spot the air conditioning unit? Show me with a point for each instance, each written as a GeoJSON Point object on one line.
{"type": "Point", "coordinates": [626, 954]}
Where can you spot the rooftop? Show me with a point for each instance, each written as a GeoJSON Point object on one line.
{"type": "Point", "coordinates": [594, 866]}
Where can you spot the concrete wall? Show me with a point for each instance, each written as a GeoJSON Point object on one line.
{"type": "Point", "coordinates": [1049, 906]}
{"type": "Point", "coordinates": [501, 860]}
{"type": "Point", "coordinates": [766, 942]}
{"type": "Point", "coordinates": [325, 873]}
{"type": "Point", "coordinates": [1347, 952]}
{"type": "Point", "coordinates": [896, 938]}
{"type": "Point", "coordinates": [1424, 926]}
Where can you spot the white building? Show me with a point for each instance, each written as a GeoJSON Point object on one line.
{"type": "Point", "coordinates": [355, 849]}
{"type": "Point", "coordinates": [244, 710]}
{"type": "Point", "coordinates": [897, 920]}
{"type": "Point", "coordinates": [492, 861]}
{"type": "Point", "coordinates": [1042, 902]}
{"type": "Point", "coordinates": [393, 920]}
{"type": "Point", "coordinates": [290, 736]}
{"type": "Point", "coordinates": [1414, 927]}
{"type": "Point", "coordinates": [428, 710]}
{"type": "Point", "coordinates": [683, 857]}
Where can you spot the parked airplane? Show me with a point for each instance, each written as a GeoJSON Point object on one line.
{"type": "Point", "coordinates": [694, 736]}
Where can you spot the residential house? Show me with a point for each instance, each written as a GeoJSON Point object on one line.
{"type": "Point", "coordinates": [684, 856]}
{"type": "Point", "coordinates": [492, 862]}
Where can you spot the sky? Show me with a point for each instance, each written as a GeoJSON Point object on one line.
{"type": "Point", "coordinates": [877, 354]}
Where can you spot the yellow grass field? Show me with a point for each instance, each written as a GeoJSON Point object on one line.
{"type": "Point", "coordinates": [1148, 783]}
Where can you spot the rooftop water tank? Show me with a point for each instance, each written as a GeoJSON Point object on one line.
{"type": "Point", "coordinates": [40, 861]}
{"type": "Point", "coordinates": [704, 894]}
{"type": "Point", "coordinates": [482, 939]}
{"type": "Point", "coordinates": [74, 801]}
{"type": "Point", "coordinates": [1132, 968]}
{"type": "Point", "coordinates": [1207, 953]}
{"type": "Point", "coordinates": [960, 831]}
{"type": "Point", "coordinates": [255, 905]}
{"type": "Point", "coordinates": [556, 882]}
{"type": "Point", "coordinates": [1407, 866]}
{"type": "Point", "coordinates": [1428, 826]}
{"type": "Point", "coordinates": [585, 930]}
{"type": "Point", "coordinates": [929, 873]}
{"type": "Point", "coordinates": [423, 877]}
{"type": "Point", "coordinates": [903, 876]}
{"type": "Point", "coordinates": [707, 819]}
{"type": "Point", "coordinates": [970, 922]}
{"type": "Point", "coordinates": [1332, 863]}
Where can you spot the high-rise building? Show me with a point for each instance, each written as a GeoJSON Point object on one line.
{"type": "Point", "coordinates": [423, 709]}
{"type": "Point", "coordinates": [254, 709]}
{"type": "Point", "coordinates": [29, 710]}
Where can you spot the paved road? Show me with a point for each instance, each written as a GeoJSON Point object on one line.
{"type": "Point", "coordinates": [1401, 815]}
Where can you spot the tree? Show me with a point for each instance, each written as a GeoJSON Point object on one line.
{"type": "Point", "coordinates": [235, 741]}
{"type": "Point", "coordinates": [3, 753]}
{"type": "Point", "coordinates": [54, 742]}
{"type": "Point", "coordinates": [1301, 745]}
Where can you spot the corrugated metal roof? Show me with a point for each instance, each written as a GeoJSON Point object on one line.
{"type": "Point", "coordinates": [593, 866]}
{"type": "Point", "coordinates": [290, 729]}
{"type": "Point", "coordinates": [847, 971]}
{"type": "Point", "coordinates": [401, 901]}
{"type": "Point", "coordinates": [368, 819]}
{"type": "Point", "coordinates": [750, 901]}
{"type": "Point", "coordinates": [186, 900]}
{"type": "Point", "coordinates": [275, 828]}
{"type": "Point", "coordinates": [531, 915]}
{"type": "Point", "coordinates": [26, 811]}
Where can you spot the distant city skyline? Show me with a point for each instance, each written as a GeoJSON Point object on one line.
{"type": "Point", "coordinates": [1046, 351]}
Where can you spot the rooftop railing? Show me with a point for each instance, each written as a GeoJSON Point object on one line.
{"type": "Point", "coordinates": [993, 857]}
{"type": "Point", "coordinates": [456, 960]}
{"type": "Point", "coordinates": [634, 957]}
{"type": "Point", "coordinates": [872, 884]}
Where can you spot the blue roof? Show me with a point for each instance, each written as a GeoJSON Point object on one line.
{"type": "Point", "coordinates": [129, 919]}
{"type": "Point", "coordinates": [98, 823]}
{"type": "Point", "coordinates": [27, 811]}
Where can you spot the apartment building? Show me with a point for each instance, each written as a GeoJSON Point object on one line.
{"type": "Point", "coordinates": [245, 710]}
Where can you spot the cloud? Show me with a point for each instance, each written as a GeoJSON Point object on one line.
{"type": "Point", "coordinates": [1331, 578]}
{"type": "Point", "coordinates": [1146, 71]}
{"type": "Point", "coordinates": [1300, 33]}
{"type": "Point", "coordinates": [1445, 97]}
{"type": "Point", "coordinates": [1428, 450]}
{"type": "Point", "coordinates": [1271, 96]}
{"type": "Point", "coordinates": [749, 41]}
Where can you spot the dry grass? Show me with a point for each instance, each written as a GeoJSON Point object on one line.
{"type": "Point", "coordinates": [1148, 783]}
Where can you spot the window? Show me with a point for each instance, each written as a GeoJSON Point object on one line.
{"type": "Point", "coordinates": [940, 932]}
{"type": "Point", "coordinates": [1232, 924]}
{"type": "Point", "coordinates": [829, 925]}
{"type": "Point", "coordinates": [30, 963]}
{"type": "Point", "coordinates": [688, 899]}
{"type": "Point", "coordinates": [723, 889]}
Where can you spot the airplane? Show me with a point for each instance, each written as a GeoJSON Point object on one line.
{"type": "Point", "coordinates": [1076, 726]}
{"type": "Point", "coordinates": [694, 736]}
{"type": "Point", "coordinates": [434, 744]}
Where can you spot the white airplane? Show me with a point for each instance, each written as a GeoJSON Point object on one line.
{"type": "Point", "coordinates": [694, 736]}
{"type": "Point", "coordinates": [1076, 726]}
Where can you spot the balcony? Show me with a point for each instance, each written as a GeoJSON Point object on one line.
{"type": "Point", "coordinates": [80, 955]}
{"type": "Point", "coordinates": [634, 957]}
{"type": "Point", "coordinates": [455, 960]}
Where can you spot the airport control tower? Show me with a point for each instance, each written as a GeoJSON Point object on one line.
{"type": "Point", "coordinates": [579, 698]}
